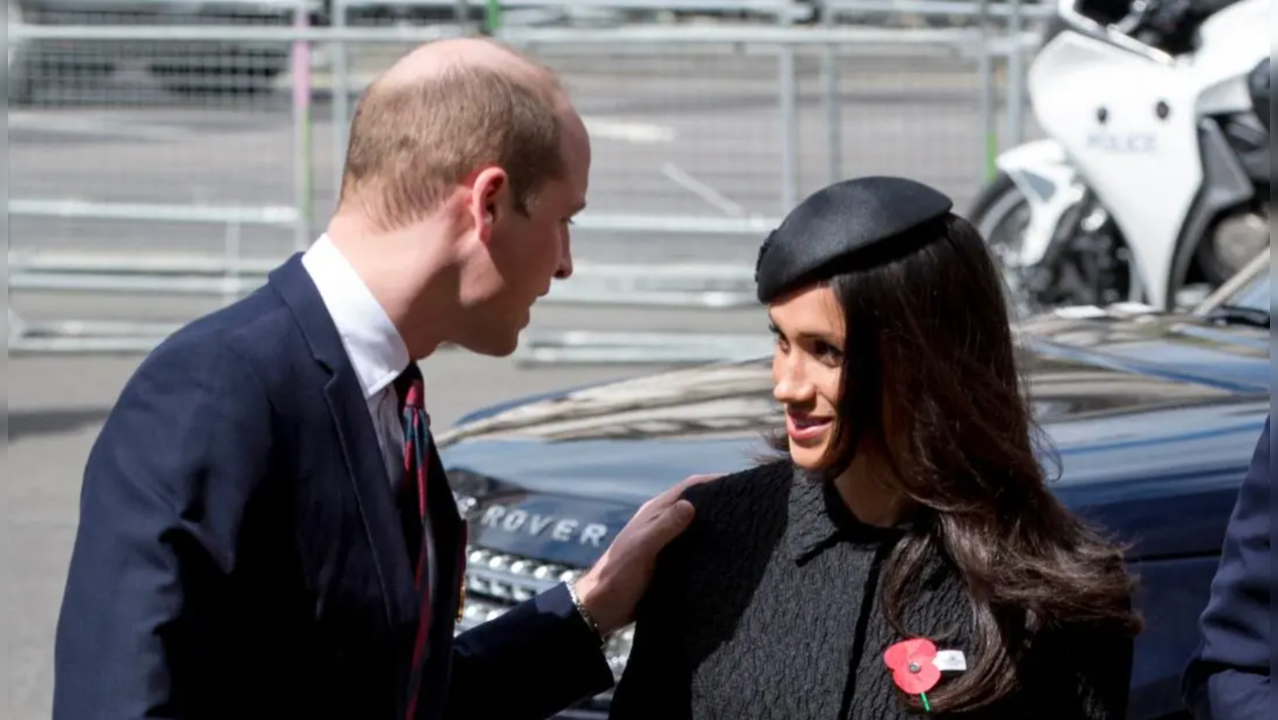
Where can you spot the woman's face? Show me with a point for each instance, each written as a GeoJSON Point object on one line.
{"type": "Point", "coordinates": [807, 366]}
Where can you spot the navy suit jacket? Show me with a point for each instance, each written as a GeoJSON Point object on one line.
{"type": "Point", "coordinates": [1228, 677]}
{"type": "Point", "coordinates": [239, 554]}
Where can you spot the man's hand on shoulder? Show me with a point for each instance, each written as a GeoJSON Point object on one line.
{"type": "Point", "coordinates": [612, 589]}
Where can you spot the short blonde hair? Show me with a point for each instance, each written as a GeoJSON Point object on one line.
{"type": "Point", "coordinates": [412, 143]}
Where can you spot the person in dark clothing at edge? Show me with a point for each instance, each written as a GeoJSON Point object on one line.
{"type": "Point", "coordinates": [1227, 677]}
{"type": "Point", "coordinates": [906, 558]}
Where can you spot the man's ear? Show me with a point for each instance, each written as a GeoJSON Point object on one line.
{"type": "Point", "coordinates": [488, 200]}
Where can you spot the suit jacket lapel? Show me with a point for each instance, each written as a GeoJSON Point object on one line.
{"type": "Point", "coordinates": [450, 539]}
{"type": "Point", "coordinates": [358, 438]}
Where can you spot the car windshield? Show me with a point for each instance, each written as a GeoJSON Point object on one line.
{"type": "Point", "coordinates": [1249, 290]}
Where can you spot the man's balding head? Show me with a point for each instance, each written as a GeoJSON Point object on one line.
{"type": "Point", "coordinates": [440, 56]}
{"type": "Point", "coordinates": [442, 113]}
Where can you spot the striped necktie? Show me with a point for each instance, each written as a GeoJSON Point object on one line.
{"type": "Point", "coordinates": [413, 512]}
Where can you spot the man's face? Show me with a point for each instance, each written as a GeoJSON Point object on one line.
{"type": "Point", "coordinates": [526, 253]}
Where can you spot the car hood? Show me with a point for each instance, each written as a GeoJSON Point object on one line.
{"type": "Point", "coordinates": [562, 474]}
{"type": "Point", "coordinates": [1179, 347]}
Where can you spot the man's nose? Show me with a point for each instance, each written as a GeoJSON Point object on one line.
{"type": "Point", "coordinates": [565, 260]}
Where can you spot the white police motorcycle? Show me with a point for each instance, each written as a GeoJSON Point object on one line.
{"type": "Point", "coordinates": [1153, 186]}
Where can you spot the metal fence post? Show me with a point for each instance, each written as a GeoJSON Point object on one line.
{"type": "Point", "coordinates": [231, 253]}
{"type": "Point", "coordinates": [492, 17]}
{"type": "Point", "coordinates": [1015, 78]}
{"type": "Point", "coordinates": [302, 157]}
{"type": "Point", "coordinates": [16, 328]}
{"type": "Point", "coordinates": [788, 107]}
{"type": "Point", "coordinates": [986, 64]}
{"type": "Point", "coordinates": [341, 96]}
{"type": "Point", "coordinates": [833, 98]}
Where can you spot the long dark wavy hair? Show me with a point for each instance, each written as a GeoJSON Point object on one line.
{"type": "Point", "coordinates": [938, 402]}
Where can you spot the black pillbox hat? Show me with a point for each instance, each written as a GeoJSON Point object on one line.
{"type": "Point", "coordinates": [846, 226]}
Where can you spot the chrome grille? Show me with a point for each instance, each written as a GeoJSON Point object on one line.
{"type": "Point", "coordinates": [496, 582]}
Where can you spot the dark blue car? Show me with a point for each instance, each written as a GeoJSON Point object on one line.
{"type": "Point", "coordinates": [1154, 418]}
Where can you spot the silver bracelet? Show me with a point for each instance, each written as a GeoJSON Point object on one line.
{"type": "Point", "coordinates": [585, 614]}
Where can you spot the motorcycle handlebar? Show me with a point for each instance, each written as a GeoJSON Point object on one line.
{"type": "Point", "coordinates": [1135, 19]}
{"type": "Point", "coordinates": [1122, 33]}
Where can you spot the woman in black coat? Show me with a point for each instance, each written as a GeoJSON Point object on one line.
{"type": "Point", "coordinates": [903, 556]}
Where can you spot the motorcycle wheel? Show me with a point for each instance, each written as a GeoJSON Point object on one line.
{"type": "Point", "coordinates": [1234, 242]}
{"type": "Point", "coordinates": [1001, 214]}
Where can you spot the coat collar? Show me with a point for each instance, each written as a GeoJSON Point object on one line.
{"type": "Point", "coordinates": [372, 342]}
{"type": "Point", "coordinates": [819, 520]}
{"type": "Point", "coordinates": [356, 434]}
{"type": "Point", "coordinates": [299, 292]}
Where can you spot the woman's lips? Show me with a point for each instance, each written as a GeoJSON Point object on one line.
{"type": "Point", "coordinates": [806, 428]}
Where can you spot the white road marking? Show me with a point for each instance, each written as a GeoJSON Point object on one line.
{"type": "Point", "coordinates": [681, 178]}
{"type": "Point", "coordinates": [628, 131]}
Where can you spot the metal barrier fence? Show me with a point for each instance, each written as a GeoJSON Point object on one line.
{"type": "Point", "coordinates": [158, 198]}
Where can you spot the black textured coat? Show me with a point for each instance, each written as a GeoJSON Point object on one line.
{"type": "Point", "coordinates": [767, 607]}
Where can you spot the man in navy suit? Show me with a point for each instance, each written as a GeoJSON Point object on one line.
{"type": "Point", "coordinates": [266, 530]}
{"type": "Point", "coordinates": [1228, 677]}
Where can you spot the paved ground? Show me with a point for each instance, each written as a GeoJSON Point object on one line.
{"type": "Point", "coordinates": [672, 135]}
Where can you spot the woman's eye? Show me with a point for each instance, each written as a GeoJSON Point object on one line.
{"type": "Point", "coordinates": [828, 352]}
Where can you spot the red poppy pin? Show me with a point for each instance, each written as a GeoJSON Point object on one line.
{"type": "Point", "coordinates": [913, 667]}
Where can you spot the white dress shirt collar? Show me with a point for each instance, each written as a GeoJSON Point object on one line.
{"type": "Point", "coordinates": [376, 350]}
